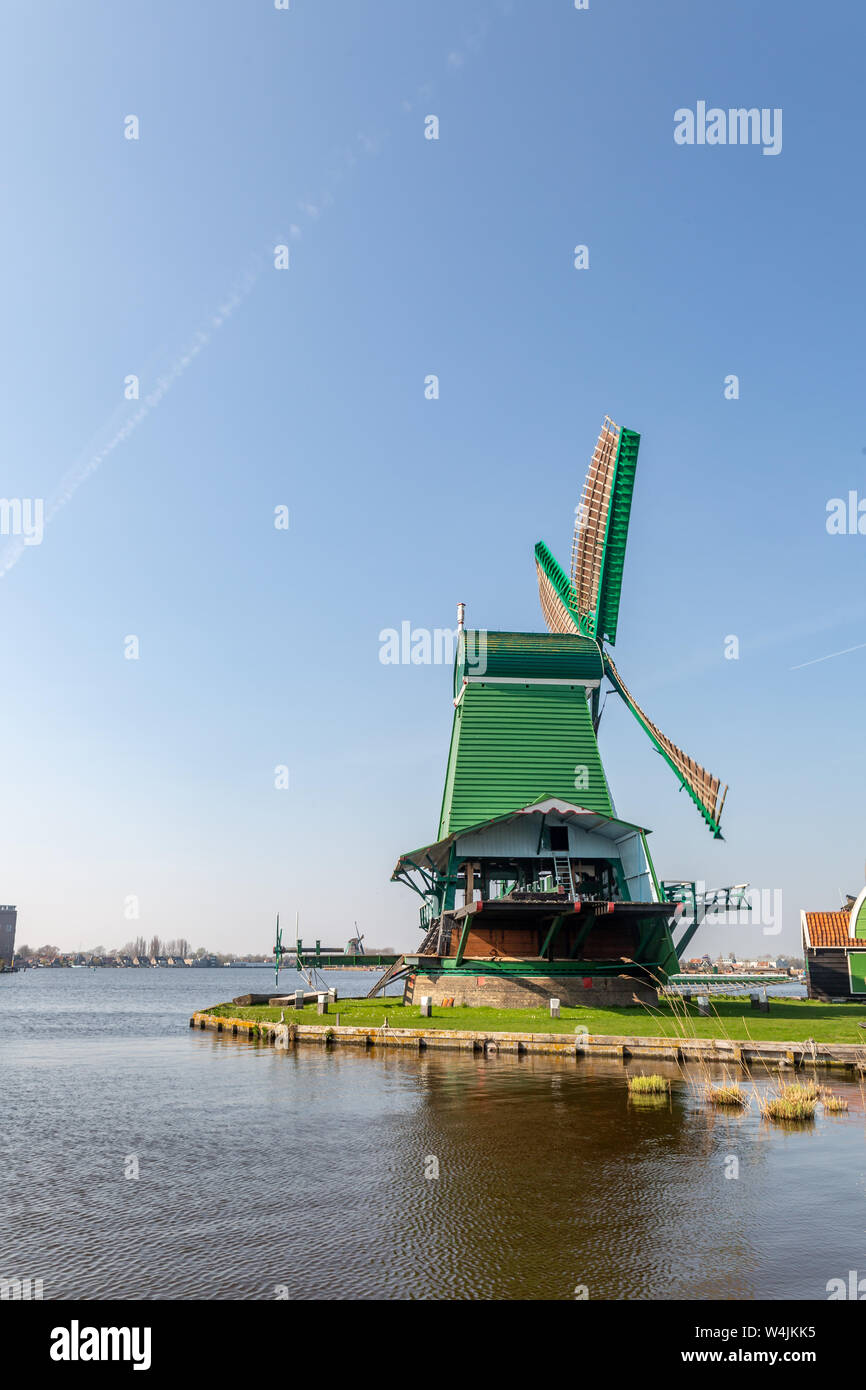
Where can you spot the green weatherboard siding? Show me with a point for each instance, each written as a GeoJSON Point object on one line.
{"type": "Point", "coordinates": [512, 744]}
{"type": "Point", "coordinates": [860, 922]}
{"type": "Point", "coordinates": [857, 970]}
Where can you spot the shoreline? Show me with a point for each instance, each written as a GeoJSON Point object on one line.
{"type": "Point", "coordinates": [737, 1052]}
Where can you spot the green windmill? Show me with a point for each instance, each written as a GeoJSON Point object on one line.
{"type": "Point", "coordinates": [535, 887]}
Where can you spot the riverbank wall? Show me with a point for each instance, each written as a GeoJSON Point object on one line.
{"type": "Point", "coordinates": [745, 1053]}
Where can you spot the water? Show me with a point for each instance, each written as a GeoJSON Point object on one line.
{"type": "Point", "coordinates": [304, 1172]}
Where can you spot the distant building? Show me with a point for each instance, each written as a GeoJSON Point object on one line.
{"type": "Point", "coordinates": [834, 944]}
{"type": "Point", "coordinates": [8, 920]}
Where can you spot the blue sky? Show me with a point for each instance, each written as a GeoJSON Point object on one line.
{"type": "Point", "coordinates": [259, 647]}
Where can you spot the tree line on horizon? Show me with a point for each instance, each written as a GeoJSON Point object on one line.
{"type": "Point", "coordinates": [179, 948]}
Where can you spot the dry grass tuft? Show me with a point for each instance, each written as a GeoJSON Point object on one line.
{"type": "Point", "coordinates": [731, 1093]}
{"type": "Point", "coordinates": [832, 1103]}
{"type": "Point", "coordinates": [792, 1102]}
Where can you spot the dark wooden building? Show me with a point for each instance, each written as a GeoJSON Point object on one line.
{"type": "Point", "coordinates": [834, 946]}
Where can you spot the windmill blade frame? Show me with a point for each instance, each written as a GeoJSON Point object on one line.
{"type": "Point", "coordinates": [705, 790]}
{"type": "Point", "coordinates": [554, 592]}
{"type": "Point", "coordinates": [587, 602]}
{"type": "Point", "coordinates": [601, 531]}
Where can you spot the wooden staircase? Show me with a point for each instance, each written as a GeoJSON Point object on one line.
{"type": "Point", "coordinates": [399, 969]}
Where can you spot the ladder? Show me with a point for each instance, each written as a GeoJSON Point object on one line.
{"type": "Point", "coordinates": [562, 873]}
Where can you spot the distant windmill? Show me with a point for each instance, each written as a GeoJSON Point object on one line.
{"type": "Point", "coordinates": [588, 602]}
{"type": "Point", "coordinates": [278, 951]}
{"type": "Point", "coordinates": [356, 943]}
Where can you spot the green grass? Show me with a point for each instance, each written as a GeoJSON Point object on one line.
{"type": "Point", "coordinates": [648, 1085]}
{"type": "Point", "coordinates": [789, 1020]}
{"type": "Point", "coordinates": [794, 1102]}
{"type": "Point", "coordinates": [731, 1093]}
{"type": "Point", "coordinates": [833, 1104]}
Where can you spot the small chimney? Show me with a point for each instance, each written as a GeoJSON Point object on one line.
{"type": "Point", "coordinates": [461, 616]}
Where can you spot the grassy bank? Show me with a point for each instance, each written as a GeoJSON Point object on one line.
{"type": "Point", "coordinates": [789, 1020]}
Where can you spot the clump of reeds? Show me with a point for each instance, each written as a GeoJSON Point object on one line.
{"type": "Point", "coordinates": [793, 1102]}
{"type": "Point", "coordinates": [833, 1103]}
{"type": "Point", "coordinates": [648, 1085]}
{"type": "Point", "coordinates": [803, 1090]}
{"type": "Point", "coordinates": [731, 1093]}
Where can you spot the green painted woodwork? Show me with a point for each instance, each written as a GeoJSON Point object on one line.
{"type": "Point", "coordinates": [526, 655]}
{"type": "Point", "coordinates": [857, 971]}
{"type": "Point", "coordinates": [648, 931]}
{"type": "Point", "coordinates": [860, 918]}
{"type": "Point", "coordinates": [554, 930]}
{"type": "Point", "coordinates": [324, 961]}
{"type": "Point", "coordinates": [449, 885]}
{"type": "Point", "coordinates": [461, 945]}
{"type": "Point", "coordinates": [586, 925]}
{"type": "Point", "coordinates": [616, 536]}
{"type": "Point", "coordinates": [660, 897]}
{"type": "Point", "coordinates": [530, 966]}
{"type": "Point", "coordinates": [512, 745]}
{"type": "Point", "coordinates": [621, 880]}
{"type": "Point", "coordinates": [665, 954]}
{"type": "Point", "coordinates": [560, 581]}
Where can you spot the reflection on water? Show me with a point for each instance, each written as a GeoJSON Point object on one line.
{"type": "Point", "coordinates": [307, 1169]}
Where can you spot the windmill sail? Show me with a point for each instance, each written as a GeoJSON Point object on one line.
{"type": "Point", "coordinates": [591, 520]}
{"type": "Point", "coordinates": [705, 790]}
{"type": "Point", "coordinates": [555, 593]}
{"type": "Point", "coordinates": [601, 530]}
{"type": "Point", "coordinates": [587, 602]}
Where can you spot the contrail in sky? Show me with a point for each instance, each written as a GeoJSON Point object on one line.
{"type": "Point", "coordinates": [95, 455]}
{"type": "Point", "coordinates": [829, 656]}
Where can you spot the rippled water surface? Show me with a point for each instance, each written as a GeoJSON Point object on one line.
{"type": "Point", "coordinates": [308, 1169]}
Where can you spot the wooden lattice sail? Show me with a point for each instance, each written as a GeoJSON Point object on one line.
{"type": "Point", "coordinates": [705, 790]}
{"type": "Point", "coordinates": [554, 605]}
{"type": "Point", "coordinates": [591, 521]}
{"type": "Point", "coordinates": [587, 601]}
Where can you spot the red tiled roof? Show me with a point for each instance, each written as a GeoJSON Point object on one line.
{"type": "Point", "coordinates": [828, 928]}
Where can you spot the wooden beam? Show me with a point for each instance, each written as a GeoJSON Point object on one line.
{"type": "Point", "coordinates": [461, 945]}
{"type": "Point", "coordinates": [583, 933]}
{"type": "Point", "coordinates": [648, 932]}
{"type": "Point", "coordinates": [469, 880]}
{"type": "Point", "coordinates": [554, 929]}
